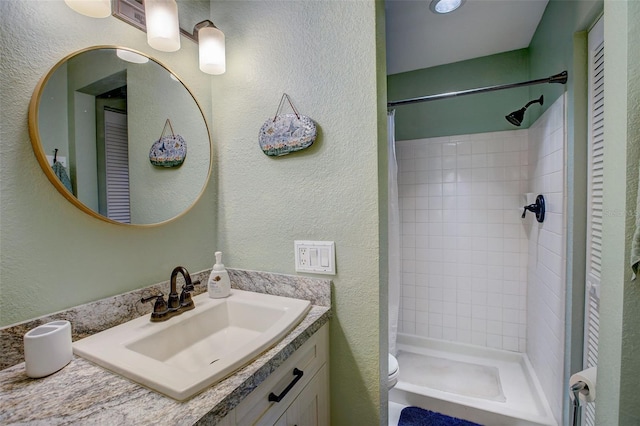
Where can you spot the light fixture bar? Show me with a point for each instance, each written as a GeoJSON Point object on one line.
{"type": "Point", "coordinates": [210, 40]}
{"type": "Point", "coordinates": [558, 78]}
{"type": "Point", "coordinates": [132, 12]}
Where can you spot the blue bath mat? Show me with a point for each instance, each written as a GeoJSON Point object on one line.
{"type": "Point", "coordinates": [414, 416]}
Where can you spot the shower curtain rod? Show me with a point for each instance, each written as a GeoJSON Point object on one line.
{"type": "Point", "coordinates": [558, 78]}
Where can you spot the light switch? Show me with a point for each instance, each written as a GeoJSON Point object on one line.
{"type": "Point", "coordinates": [313, 257]}
{"type": "Point", "coordinates": [324, 257]}
{"type": "Point", "coordinates": [317, 257]}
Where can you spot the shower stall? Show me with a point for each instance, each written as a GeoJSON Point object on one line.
{"type": "Point", "coordinates": [480, 332]}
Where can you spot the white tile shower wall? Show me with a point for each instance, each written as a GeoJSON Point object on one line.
{"type": "Point", "coordinates": [547, 259]}
{"type": "Point", "coordinates": [464, 246]}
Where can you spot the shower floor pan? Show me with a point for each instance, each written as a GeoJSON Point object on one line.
{"type": "Point", "coordinates": [484, 385]}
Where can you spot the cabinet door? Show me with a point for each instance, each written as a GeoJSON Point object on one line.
{"type": "Point", "coordinates": [282, 421]}
{"type": "Point", "coordinates": [311, 407]}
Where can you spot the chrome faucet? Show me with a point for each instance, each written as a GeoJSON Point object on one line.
{"type": "Point", "coordinates": [175, 304]}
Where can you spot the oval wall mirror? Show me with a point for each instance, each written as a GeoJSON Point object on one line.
{"type": "Point", "coordinates": [93, 119]}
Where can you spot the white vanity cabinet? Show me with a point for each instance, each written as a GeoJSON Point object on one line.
{"type": "Point", "coordinates": [302, 383]}
{"type": "Point", "coordinates": [311, 407]}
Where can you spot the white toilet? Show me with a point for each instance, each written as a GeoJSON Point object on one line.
{"type": "Point", "coordinates": [394, 371]}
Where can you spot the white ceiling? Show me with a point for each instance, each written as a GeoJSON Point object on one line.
{"type": "Point", "coordinates": [418, 38]}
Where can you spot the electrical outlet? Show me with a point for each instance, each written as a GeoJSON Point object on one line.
{"type": "Point", "coordinates": [317, 257]}
{"type": "Point", "coordinates": [303, 256]}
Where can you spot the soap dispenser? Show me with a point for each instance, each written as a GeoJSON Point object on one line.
{"type": "Point", "coordinates": [219, 284]}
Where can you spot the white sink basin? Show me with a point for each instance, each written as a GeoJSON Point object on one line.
{"type": "Point", "coordinates": [189, 352]}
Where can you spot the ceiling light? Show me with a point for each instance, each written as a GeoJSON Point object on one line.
{"type": "Point", "coordinates": [92, 8]}
{"type": "Point", "coordinates": [163, 30]}
{"type": "Point", "coordinates": [445, 6]}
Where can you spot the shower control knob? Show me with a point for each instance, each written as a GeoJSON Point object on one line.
{"type": "Point", "coordinates": [538, 208]}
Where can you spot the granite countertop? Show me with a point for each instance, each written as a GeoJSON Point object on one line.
{"type": "Point", "coordinates": [84, 393]}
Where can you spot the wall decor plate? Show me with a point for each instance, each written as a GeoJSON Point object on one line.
{"type": "Point", "coordinates": [168, 151]}
{"type": "Point", "coordinates": [286, 133]}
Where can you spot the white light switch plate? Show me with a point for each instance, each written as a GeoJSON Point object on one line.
{"type": "Point", "coordinates": [316, 257]}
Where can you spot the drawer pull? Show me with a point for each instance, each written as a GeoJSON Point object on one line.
{"type": "Point", "coordinates": [277, 398]}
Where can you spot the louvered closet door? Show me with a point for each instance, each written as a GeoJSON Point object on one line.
{"type": "Point", "coordinates": [116, 143]}
{"type": "Point", "coordinates": [594, 204]}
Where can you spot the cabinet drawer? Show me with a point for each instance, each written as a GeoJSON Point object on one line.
{"type": "Point", "coordinates": [256, 407]}
{"type": "Point", "coordinates": [311, 407]}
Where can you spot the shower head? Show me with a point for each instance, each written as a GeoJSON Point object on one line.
{"type": "Point", "coordinates": [516, 117]}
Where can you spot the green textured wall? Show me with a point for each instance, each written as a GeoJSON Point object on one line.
{"type": "Point", "coordinates": [383, 211]}
{"type": "Point", "coordinates": [552, 47]}
{"type": "Point", "coordinates": [630, 365]}
{"type": "Point", "coordinates": [323, 55]}
{"type": "Point", "coordinates": [462, 115]}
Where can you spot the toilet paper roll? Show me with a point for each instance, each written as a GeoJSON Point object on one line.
{"type": "Point", "coordinates": [588, 377]}
{"type": "Point", "coordinates": [47, 348]}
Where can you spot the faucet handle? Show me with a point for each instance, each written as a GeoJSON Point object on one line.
{"type": "Point", "coordinates": [160, 304]}
{"type": "Point", "coordinates": [185, 294]}
{"type": "Point", "coordinates": [187, 287]}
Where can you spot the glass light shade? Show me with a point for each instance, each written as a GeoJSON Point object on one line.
{"type": "Point", "coordinates": [163, 29]}
{"type": "Point", "coordinates": [133, 57]}
{"type": "Point", "coordinates": [212, 50]}
{"type": "Point", "coordinates": [445, 6]}
{"type": "Point", "coordinates": [92, 8]}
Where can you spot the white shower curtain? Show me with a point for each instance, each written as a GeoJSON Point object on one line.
{"type": "Point", "coordinates": [393, 235]}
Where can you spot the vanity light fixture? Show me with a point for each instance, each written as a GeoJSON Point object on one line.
{"type": "Point", "coordinates": [211, 47]}
{"type": "Point", "coordinates": [155, 17]}
{"type": "Point", "coordinates": [163, 29]}
{"type": "Point", "coordinates": [445, 6]}
{"type": "Point", "coordinates": [92, 8]}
